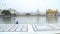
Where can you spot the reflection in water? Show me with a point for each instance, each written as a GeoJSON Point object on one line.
{"type": "Point", "coordinates": [6, 20]}
{"type": "Point", "coordinates": [30, 20]}
{"type": "Point", "coordinates": [52, 19]}
{"type": "Point", "coordinates": [38, 19]}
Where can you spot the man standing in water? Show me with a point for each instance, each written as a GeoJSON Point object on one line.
{"type": "Point", "coordinates": [16, 21]}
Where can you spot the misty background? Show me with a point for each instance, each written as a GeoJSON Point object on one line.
{"type": "Point", "coordinates": [30, 5]}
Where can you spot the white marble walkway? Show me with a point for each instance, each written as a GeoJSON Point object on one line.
{"type": "Point", "coordinates": [29, 28]}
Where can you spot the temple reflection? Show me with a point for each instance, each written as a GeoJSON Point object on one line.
{"type": "Point", "coordinates": [52, 19]}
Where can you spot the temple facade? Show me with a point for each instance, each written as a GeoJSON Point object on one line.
{"type": "Point", "coordinates": [52, 12]}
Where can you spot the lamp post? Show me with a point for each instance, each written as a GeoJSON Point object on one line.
{"type": "Point", "coordinates": [4, 4]}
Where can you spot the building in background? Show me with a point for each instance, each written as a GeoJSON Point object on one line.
{"type": "Point", "coordinates": [37, 12]}
{"type": "Point", "coordinates": [52, 12]}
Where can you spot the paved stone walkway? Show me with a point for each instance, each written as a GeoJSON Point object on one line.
{"type": "Point", "coordinates": [28, 27]}
{"type": "Point", "coordinates": [13, 28]}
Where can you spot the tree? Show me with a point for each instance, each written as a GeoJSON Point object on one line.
{"type": "Point", "coordinates": [14, 14]}
{"type": "Point", "coordinates": [6, 12]}
{"type": "Point", "coordinates": [28, 14]}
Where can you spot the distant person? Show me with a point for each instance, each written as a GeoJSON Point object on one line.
{"type": "Point", "coordinates": [16, 21]}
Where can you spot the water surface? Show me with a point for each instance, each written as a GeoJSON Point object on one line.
{"type": "Point", "coordinates": [30, 20]}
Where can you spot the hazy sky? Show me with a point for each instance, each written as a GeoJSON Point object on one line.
{"type": "Point", "coordinates": [30, 5]}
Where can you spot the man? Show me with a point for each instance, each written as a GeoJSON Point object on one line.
{"type": "Point", "coordinates": [16, 21]}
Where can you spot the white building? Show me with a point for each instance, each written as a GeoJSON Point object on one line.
{"type": "Point", "coordinates": [37, 12]}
